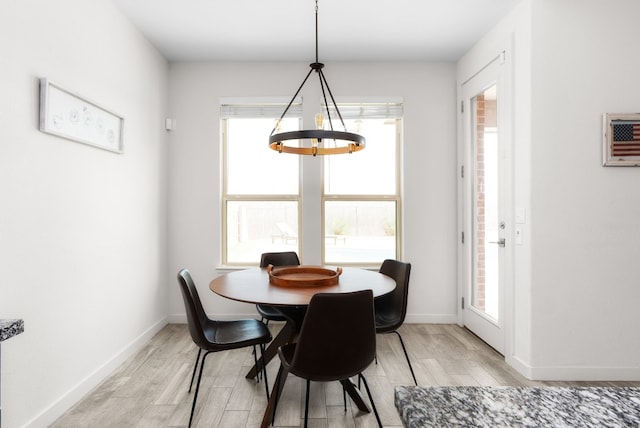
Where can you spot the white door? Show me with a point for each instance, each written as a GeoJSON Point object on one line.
{"type": "Point", "coordinates": [483, 198]}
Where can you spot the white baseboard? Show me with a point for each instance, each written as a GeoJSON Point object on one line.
{"type": "Point", "coordinates": [431, 319]}
{"type": "Point", "coordinates": [519, 366]}
{"type": "Point", "coordinates": [572, 373]}
{"type": "Point", "coordinates": [595, 374]}
{"type": "Point", "coordinates": [177, 319]}
{"type": "Point", "coordinates": [49, 415]}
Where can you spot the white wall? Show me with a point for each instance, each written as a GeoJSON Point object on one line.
{"type": "Point", "coordinates": [576, 276]}
{"type": "Point", "coordinates": [82, 230]}
{"type": "Point", "coordinates": [586, 218]}
{"type": "Point", "coordinates": [428, 91]}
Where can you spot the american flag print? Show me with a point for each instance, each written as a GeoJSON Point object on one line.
{"type": "Point", "coordinates": [626, 139]}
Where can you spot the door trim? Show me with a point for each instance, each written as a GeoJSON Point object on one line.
{"type": "Point", "coordinates": [506, 56]}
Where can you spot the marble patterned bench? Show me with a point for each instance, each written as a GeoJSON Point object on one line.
{"type": "Point", "coordinates": [8, 329]}
{"type": "Point", "coordinates": [495, 407]}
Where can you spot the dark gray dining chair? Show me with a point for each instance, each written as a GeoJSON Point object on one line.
{"type": "Point", "coordinates": [283, 258]}
{"type": "Point", "coordinates": [391, 308]}
{"type": "Point", "coordinates": [337, 341]}
{"type": "Point", "coordinates": [214, 336]}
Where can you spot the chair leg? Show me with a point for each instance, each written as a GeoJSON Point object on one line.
{"type": "Point", "coordinates": [195, 396]}
{"type": "Point", "coordinates": [344, 397]}
{"type": "Point", "coordinates": [195, 367]}
{"type": "Point", "coordinates": [373, 405]}
{"type": "Point", "coordinates": [407, 357]}
{"type": "Point", "coordinates": [264, 369]}
{"type": "Point", "coordinates": [306, 405]}
{"type": "Point", "coordinates": [255, 360]}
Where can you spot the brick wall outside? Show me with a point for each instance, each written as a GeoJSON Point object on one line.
{"type": "Point", "coordinates": [479, 295]}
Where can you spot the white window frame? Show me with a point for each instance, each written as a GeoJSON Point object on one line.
{"type": "Point", "coordinates": [314, 233]}
{"type": "Point", "coordinates": [248, 108]}
{"type": "Point", "coordinates": [391, 109]}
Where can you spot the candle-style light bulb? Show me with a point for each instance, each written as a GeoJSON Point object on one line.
{"type": "Point", "coordinates": [358, 126]}
{"type": "Point", "coordinates": [315, 141]}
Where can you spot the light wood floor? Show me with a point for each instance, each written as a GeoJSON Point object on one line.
{"type": "Point", "coordinates": [150, 390]}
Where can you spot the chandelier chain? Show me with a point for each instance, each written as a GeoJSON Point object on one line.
{"type": "Point", "coordinates": [317, 31]}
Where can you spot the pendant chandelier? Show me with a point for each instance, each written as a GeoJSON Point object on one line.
{"type": "Point", "coordinates": [317, 141]}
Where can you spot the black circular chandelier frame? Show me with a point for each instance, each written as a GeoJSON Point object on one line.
{"type": "Point", "coordinates": [318, 141]}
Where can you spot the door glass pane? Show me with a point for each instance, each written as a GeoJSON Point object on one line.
{"type": "Point", "coordinates": [486, 217]}
{"type": "Point", "coordinates": [256, 227]}
{"type": "Point", "coordinates": [360, 231]}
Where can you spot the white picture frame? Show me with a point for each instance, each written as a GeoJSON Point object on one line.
{"type": "Point", "coordinates": [621, 139]}
{"type": "Point", "coordinates": [67, 115]}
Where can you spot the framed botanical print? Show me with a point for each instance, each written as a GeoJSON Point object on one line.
{"type": "Point", "coordinates": [69, 116]}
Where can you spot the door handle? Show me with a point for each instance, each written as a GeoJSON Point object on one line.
{"type": "Point", "coordinates": [500, 242]}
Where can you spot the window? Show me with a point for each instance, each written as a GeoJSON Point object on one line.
{"type": "Point", "coordinates": [361, 196]}
{"type": "Point", "coordinates": [261, 188]}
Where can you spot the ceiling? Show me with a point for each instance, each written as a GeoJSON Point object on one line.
{"type": "Point", "coordinates": [284, 30]}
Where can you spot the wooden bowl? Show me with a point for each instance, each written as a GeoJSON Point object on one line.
{"type": "Point", "coordinates": [303, 276]}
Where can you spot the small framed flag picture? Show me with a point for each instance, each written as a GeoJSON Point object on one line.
{"type": "Point", "coordinates": [621, 139]}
